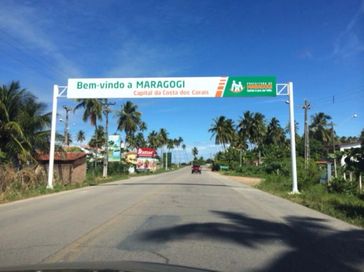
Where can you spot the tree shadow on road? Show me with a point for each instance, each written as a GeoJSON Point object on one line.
{"type": "Point", "coordinates": [314, 245]}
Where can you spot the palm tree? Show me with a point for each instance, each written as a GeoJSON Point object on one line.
{"type": "Point", "coordinates": [129, 119]}
{"type": "Point", "coordinates": [98, 139]}
{"type": "Point", "coordinates": [252, 127]}
{"type": "Point", "coordinates": [143, 126]}
{"type": "Point", "coordinates": [153, 139]}
{"type": "Point", "coordinates": [223, 130]}
{"type": "Point", "coordinates": [20, 132]}
{"type": "Point", "coordinates": [139, 140]}
{"type": "Point", "coordinates": [320, 128]}
{"type": "Point", "coordinates": [177, 142]}
{"type": "Point", "coordinates": [245, 124]}
{"type": "Point", "coordinates": [80, 136]}
{"type": "Point", "coordinates": [163, 136]}
{"type": "Point", "coordinates": [35, 124]}
{"type": "Point", "coordinates": [258, 132]}
{"type": "Point", "coordinates": [194, 152]}
{"type": "Point", "coordinates": [184, 151]}
{"type": "Point", "coordinates": [163, 140]}
{"type": "Point", "coordinates": [275, 133]}
{"type": "Point", "coordinates": [92, 110]}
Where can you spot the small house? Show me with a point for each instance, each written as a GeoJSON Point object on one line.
{"type": "Point", "coordinates": [69, 167]}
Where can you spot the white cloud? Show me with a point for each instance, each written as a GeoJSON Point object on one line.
{"type": "Point", "coordinates": [305, 54]}
{"type": "Point", "coordinates": [138, 58]}
{"type": "Point", "coordinates": [351, 41]}
{"type": "Point", "coordinates": [24, 28]}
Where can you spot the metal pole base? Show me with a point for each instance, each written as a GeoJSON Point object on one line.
{"type": "Point", "coordinates": [294, 193]}
{"type": "Point", "coordinates": [50, 187]}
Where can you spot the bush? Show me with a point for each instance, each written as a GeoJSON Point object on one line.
{"type": "Point", "coordinates": [215, 167]}
{"type": "Point", "coordinates": [22, 180]}
{"type": "Point", "coordinates": [307, 177]}
{"type": "Point", "coordinates": [280, 167]}
{"type": "Point", "coordinates": [339, 185]}
{"type": "Point", "coordinates": [117, 168]}
{"type": "Point", "coordinates": [276, 183]}
{"type": "Point", "coordinates": [251, 170]}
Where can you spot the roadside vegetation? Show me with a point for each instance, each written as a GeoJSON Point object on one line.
{"type": "Point", "coordinates": [253, 147]}
{"type": "Point", "coordinates": [25, 133]}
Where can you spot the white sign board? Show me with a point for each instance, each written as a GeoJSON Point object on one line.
{"type": "Point", "coordinates": [143, 87]}
{"type": "Point", "coordinates": [171, 87]}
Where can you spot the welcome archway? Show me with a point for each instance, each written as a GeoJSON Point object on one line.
{"type": "Point", "coordinates": [174, 87]}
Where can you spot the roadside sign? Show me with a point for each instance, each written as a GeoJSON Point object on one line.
{"type": "Point", "coordinates": [171, 87]}
{"type": "Point", "coordinates": [114, 151]}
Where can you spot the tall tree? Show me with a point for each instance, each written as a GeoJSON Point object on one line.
{"type": "Point", "coordinates": [23, 124]}
{"type": "Point", "coordinates": [140, 140]}
{"type": "Point", "coordinates": [143, 126]}
{"type": "Point", "coordinates": [194, 152]}
{"type": "Point", "coordinates": [153, 139]}
{"type": "Point", "coordinates": [92, 110]}
{"type": "Point", "coordinates": [163, 140]}
{"type": "Point", "coordinates": [163, 136]}
{"type": "Point", "coordinates": [129, 119]}
{"type": "Point", "coordinates": [98, 139]}
{"type": "Point", "coordinates": [245, 124]}
{"type": "Point", "coordinates": [80, 136]}
{"type": "Point", "coordinates": [178, 141]}
{"type": "Point", "coordinates": [252, 126]}
{"type": "Point", "coordinates": [320, 128]}
{"type": "Point", "coordinates": [170, 144]}
{"type": "Point", "coordinates": [184, 151]}
{"type": "Point", "coordinates": [223, 130]}
{"type": "Point", "coordinates": [35, 123]}
{"type": "Point", "coordinates": [275, 133]}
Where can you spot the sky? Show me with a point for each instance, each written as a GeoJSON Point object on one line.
{"type": "Point", "coordinates": [318, 45]}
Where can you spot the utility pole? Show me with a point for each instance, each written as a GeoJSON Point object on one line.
{"type": "Point", "coordinates": [333, 148]}
{"type": "Point", "coordinates": [306, 106]}
{"type": "Point", "coordinates": [106, 109]}
{"type": "Point", "coordinates": [66, 138]}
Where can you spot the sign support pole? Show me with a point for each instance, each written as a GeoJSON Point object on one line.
{"type": "Point", "coordinates": [53, 138]}
{"type": "Point", "coordinates": [293, 139]}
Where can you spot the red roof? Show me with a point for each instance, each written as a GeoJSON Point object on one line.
{"type": "Point", "coordinates": [62, 156]}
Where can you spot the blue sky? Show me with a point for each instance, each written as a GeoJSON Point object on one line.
{"type": "Point", "coordinates": [318, 45]}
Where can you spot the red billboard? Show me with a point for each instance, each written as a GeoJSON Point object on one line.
{"type": "Point", "coordinates": [146, 152]}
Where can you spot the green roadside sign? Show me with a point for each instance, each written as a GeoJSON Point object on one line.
{"type": "Point", "coordinates": [250, 86]}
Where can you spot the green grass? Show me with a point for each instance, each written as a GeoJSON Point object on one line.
{"type": "Point", "coordinates": [349, 208]}
{"type": "Point", "coordinates": [240, 174]}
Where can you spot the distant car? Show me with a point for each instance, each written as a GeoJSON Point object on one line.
{"type": "Point", "coordinates": [196, 169]}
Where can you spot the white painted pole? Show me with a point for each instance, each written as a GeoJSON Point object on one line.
{"type": "Point", "coordinates": [53, 138]}
{"type": "Point", "coordinates": [293, 139]}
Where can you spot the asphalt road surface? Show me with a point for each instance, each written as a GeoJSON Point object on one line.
{"type": "Point", "coordinates": [204, 221]}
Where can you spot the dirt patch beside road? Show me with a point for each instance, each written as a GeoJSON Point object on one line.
{"type": "Point", "coordinates": [251, 181]}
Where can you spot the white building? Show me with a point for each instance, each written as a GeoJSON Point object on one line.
{"type": "Point", "coordinates": [344, 147]}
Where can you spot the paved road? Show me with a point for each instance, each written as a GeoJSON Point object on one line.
{"type": "Point", "coordinates": [204, 221]}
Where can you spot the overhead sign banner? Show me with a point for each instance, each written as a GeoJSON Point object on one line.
{"type": "Point", "coordinates": [171, 87]}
